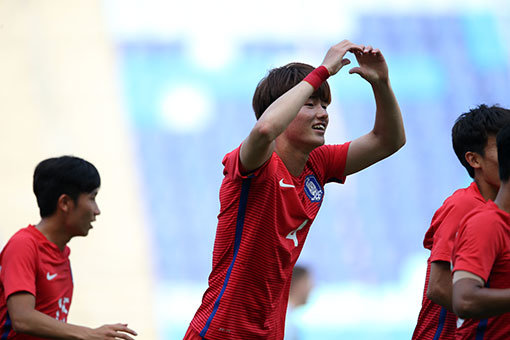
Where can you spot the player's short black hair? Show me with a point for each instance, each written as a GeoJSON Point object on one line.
{"type": "Point", "coordinates": [281, 79]}
{"type": "Point", "coordinates": [68, 175]}
{"type": "Point", "coordinates": [503, 142]}
{"type": "Point", "coordinates": [472, 129]}
{"type": "Point", "coordinates": [299, 272]}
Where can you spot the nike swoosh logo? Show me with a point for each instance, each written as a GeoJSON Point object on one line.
{"type": "Point", "coordinates": [50, 276]}
{"type": "Point", "coordinates": [285, 185]}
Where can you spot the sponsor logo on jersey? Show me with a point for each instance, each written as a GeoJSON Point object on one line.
{"type": "Point", "coordinates": [285, 185]}
{"type": "Point", "coordinates": [50, 277]}
{"type": "Point", "coordinates": [313, 189]}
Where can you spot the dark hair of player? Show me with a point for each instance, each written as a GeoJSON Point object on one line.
{"type": "Point", "coordinates": [472, 129]}
{"type": "Point", "coordinates": [281, 79]}
{"type": "Point", "coordinates": [298, 272]}
{"type": "Point", "coordinates": [68, 175]}
{"type": "Point", "coordinates": [503, 142]}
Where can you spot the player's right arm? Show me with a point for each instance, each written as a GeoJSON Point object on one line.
{"type": "Point", "coordinates": [27, 320]}
{"type": "Point", "coordinates": [259, 145]}
{"type": "Point", "coordinates": [472, 300]}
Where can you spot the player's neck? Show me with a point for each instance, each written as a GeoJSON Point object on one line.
{"type": "Point", "coordinates": [503, 197]}
{"type": "Point", "coordinates": [293, 158]}
{"type": "Point", "coordinates": [487, 190]}
{"type": "Point", "coordinates": [51, 228]}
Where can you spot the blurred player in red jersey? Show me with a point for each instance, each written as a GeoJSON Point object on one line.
{"type": "Point", "coordinates": [36, 284]}
{"type": "Point", "coordinates": [481, 261]}
{"type": "Point", "coordinates": [273, 187]}
{"type": "Point", "coordinates": [474, 142]}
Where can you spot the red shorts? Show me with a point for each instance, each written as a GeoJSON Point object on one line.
{"type": "Point", "coordinates": [191, 334]}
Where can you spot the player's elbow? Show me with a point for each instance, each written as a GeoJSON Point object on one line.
{"type": "Point", "coordinates": [20, 323]}
{"type": "Point", "coordinates": [433, 293]}
{"type": "Point", "coordinates": [397, 142]}
{"type": "Point", "coordinates": [391, 144]}
{"type": "Point", "coordinates": [264, 131]}
{"type": "Point", "coordinates": [401, 141]}
{"type": "Point", "coordinates": [465, 308]}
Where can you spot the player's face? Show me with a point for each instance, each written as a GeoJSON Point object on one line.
{"type": "Point", "coordinates": [489, 162]}
{"type": "Point", "coordinates": [308, 128]}
{"type": "Point", "coordinates": [83, 213]}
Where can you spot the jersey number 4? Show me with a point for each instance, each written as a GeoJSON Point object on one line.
{"type": "Point", "coordinates": [292, 235]}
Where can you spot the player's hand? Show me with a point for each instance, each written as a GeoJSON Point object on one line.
{"type": "Point", "coordinates": [334, 59]}
{"type": "Point", "coordinates": [372, 66]}
{"type": "Point", "coordinates": [109, 332]}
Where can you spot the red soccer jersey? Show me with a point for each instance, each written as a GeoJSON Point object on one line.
{"type": "Point", "coordinates": [482, 247]}
{"type": "Point", "coordinates": [30, 263]}
{"type": "Point", "coordinates": [434, 321]}
{"type": "Point", "coordinates": [263, 222]}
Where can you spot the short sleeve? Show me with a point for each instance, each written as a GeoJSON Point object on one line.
{"type": "Point", "coordinates": [331, 160]}
{"type": "Point", "coordinates": [447, 221]}
{"type": "Point", "coordinates": [477, 245]}
{"type": "Point", "coordinates": [233, 168]}
{"type": "Point", "coordinates": [19, 266]}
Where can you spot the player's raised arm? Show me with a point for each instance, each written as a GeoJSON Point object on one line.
{"type": "Point", "coordinates": [26, 320]}
{"type": "Point", "coordinates": [259, 145]}
{"type": "Point", "coordinates": [388, 134]}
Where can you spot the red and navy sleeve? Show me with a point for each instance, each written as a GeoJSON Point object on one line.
{"type": "Point", "coordinates": [331, 160]}
{"type": "Point", "coordinates": [19, 266]}
{"type": "Point", "coordinates": [478, 243]}
{"type": "Point", "coordinates": [447, 220]}
{"type": "Point", "coordinates": [234, 169]}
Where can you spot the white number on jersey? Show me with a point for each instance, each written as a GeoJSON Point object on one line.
{"type": "Point", "coordinates": [62, 313]}
{"type": "Point", "coordinates": [292, 235]}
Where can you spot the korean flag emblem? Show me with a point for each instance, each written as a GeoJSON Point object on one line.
{"type": "Point", "coordinates": [313, 189]}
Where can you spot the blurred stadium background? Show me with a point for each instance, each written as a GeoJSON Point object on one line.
{"type": "Point", "coordinates": [155, 92]}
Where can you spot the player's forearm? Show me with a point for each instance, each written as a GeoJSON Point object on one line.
{"type": "Point", "coordinates": [388, 126]}
{"type": "Point", "coordinates": [480, 302]}
{"type": "Point", "coordinates": [282, 111]}
{"type": "Point", "coordinates": [441, 296]}
{"type": "Point", "coordinates": [41, 325]}
{"type": "Point", "coordinates": [439, 288]}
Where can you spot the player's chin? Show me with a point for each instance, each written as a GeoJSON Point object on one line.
{"type": "Point", "coordinates": [86, 230]}
{"type": "Point", "coordinates": [313, 142]}
{"type": "Point", "coordinates": [319, 136]}
{"type": "Point", "coordinates": [319, 141]}
{"type": "Point", "coordinates": [315, 145]}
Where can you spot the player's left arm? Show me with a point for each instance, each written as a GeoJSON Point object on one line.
{"type": "Point", "coordinates": [439, 289]}
{"type": "Point", "coordinates": [471, 299]}
{"type": "Point", "coordinates": [388, 134]}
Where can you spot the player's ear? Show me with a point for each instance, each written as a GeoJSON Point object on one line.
{"type": "Point", "coordinates": [473, 159]}
{"type": "Point", "coordinates": [64, 203]}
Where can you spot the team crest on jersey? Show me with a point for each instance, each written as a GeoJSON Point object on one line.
{"type": "Point", "coordinates": [313, 189]}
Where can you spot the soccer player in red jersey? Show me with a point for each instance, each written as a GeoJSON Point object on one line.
{"type": "Point", "coordinates": [481, 261]}
{"type": "Point", "coordinates": [474, 142]}
{"type": "Point", "coordinates": [36, 283]}
{"type": "Point", "coordinates": [273, 187]}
